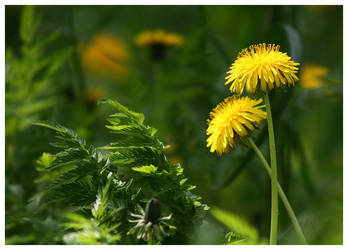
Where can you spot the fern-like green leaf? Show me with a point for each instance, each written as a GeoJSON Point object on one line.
{"type": "Point", "coordinates": [138, 117]}
{"type": "Point", "coordinates": [112, 184]}
{"type": "Point", "coordinates": [150, 169]}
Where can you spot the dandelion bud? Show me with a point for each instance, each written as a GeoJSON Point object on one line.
{"type": "Point", "coordinates": [153, 211]}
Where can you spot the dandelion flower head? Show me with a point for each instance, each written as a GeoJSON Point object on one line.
{"type": "Point", "coordinates": [231, 120]}
{"type": "Point", "coordinates": [159, 37]}
{"type": "Point", "coordinates": [311, 76]}
{"type": "Point", "coordinates": [261, 66]}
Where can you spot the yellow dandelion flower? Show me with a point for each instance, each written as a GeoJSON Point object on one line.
{"type": "Point", "coordinates": [261, 66]}
{"type": "Point", "coordinates": [105, 55]}
{"type": "Point", "coordinates": [311, 76]}
{"type": "Point", "coordinates": [231, 120]}
{"type": "Point", "coordinates": [159, 37]}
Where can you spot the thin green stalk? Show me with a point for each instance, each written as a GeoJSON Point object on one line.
{"type": "Point", "coordinates": [150, 241]}
{"type": "Point", "coordinates": [274, 178]}
{"type": "Point", "coordinates": [281, 105]}
{"type": "Point", "coordinates": [282, 195]}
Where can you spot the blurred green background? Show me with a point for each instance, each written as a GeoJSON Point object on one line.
{"type": "Point", "coordinates": [79, 54]}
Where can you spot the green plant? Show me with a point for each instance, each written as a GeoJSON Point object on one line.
{"type": "Point", "coordinates": [32, 88]}
{"type": "Point", "coordinates": [30, 82]}
{"type": "Point", "coordinates": [106, 185]}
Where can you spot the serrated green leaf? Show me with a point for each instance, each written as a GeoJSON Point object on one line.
{"type": "Point", "coordinates": [46, 160]}
{"type": "Point", "coordinates": [52, 175]}
{"type": "Point", "coordinates": [183, 181]}
{"type": "Point", "coordinates": [137, 116]}
{"type": "Point", "coordinates": [29, 23]}
{"type": "Point", "coordinates": [48, 125]}
{"type": "Point", "coordinates": [150, 169]}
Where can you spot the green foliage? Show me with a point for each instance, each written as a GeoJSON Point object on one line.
{"type": "Point", "coordinates": [45, 161]}
{"type": "Point", "coordinates": [88, 232]}
{"type": "Point", "coordinates": [107, 186]}
{"type": "Point", "coordinates": [242, 231]}
{"type": "Point", "coordinates": [29, 75]}
{"type": "Point", "coordinates": [96, 230]}
{"type": "Point", "coordinates": [30, 21]}
{"type": "Point", "coordinates": [32, 89]}
{"type": "Point", "coordinates": [150, 169]}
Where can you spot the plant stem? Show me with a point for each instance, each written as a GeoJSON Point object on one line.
{"type": "Point", "coordinates": [282, 195]}
{"type": "Point", "coordinates": [274, 181]}
{"type": "Point", "coordinates": [150, 241]}
{"type": "Point", "coordinates": [281, 105]}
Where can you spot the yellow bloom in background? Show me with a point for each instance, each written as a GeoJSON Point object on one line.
{"type": "Point", "coordinates": [318, 7]}
{"type": "Point", "coordinates": [159, 37]}
{"type": "Point", "coordinates": [311, 76]}
{"type": "Point", "coordinates": [172, 148]}
{"type": "Point", "coordinates": [261, 66]}
{"type": "Point", "coordinates": [94, 94]}
{"type": "Point", "coordinates": [105, 55]}
{"type": "Point", "coordinates": [232, 119]}
{"type": "Point", "coordinates": [176, 160]}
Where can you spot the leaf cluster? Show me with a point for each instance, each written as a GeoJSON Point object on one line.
{"type": "Point", "coordinates": [30, 73]}
{"type": "Point", "coordinates": [31, 92]}
{"type": "Point", "coordinates": [102, 186]}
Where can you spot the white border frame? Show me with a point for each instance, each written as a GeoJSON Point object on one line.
{"type": "Point", "coordinates": [157, 2]}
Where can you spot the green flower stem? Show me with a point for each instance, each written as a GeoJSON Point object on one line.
{"type": "Point", "coordinates": [150, 241]}
{"type": "Point", "coordinates": [274, 178]}
{"type": "Point", "coordinates": [282, 195]}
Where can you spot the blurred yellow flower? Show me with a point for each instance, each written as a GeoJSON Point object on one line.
{"type": "Point", "coordinates": [176, 160]}
{"type": "Point", "coordinates": [261, 66]}
{"type": "Point", "coordinates": [319, 7]}
{"type": "Point", "coordinates": [105, 55]}
{"type": "Point", "coordinates": [172, 148]}
{"type": "Point", "coordinates": [93, 94]}
{"type": "Point", "coordinates": [311, 76]}
{"type": "Point", "coordinates": [232, 119]}
{"type": "Point", "coordinates": [159, 37]}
